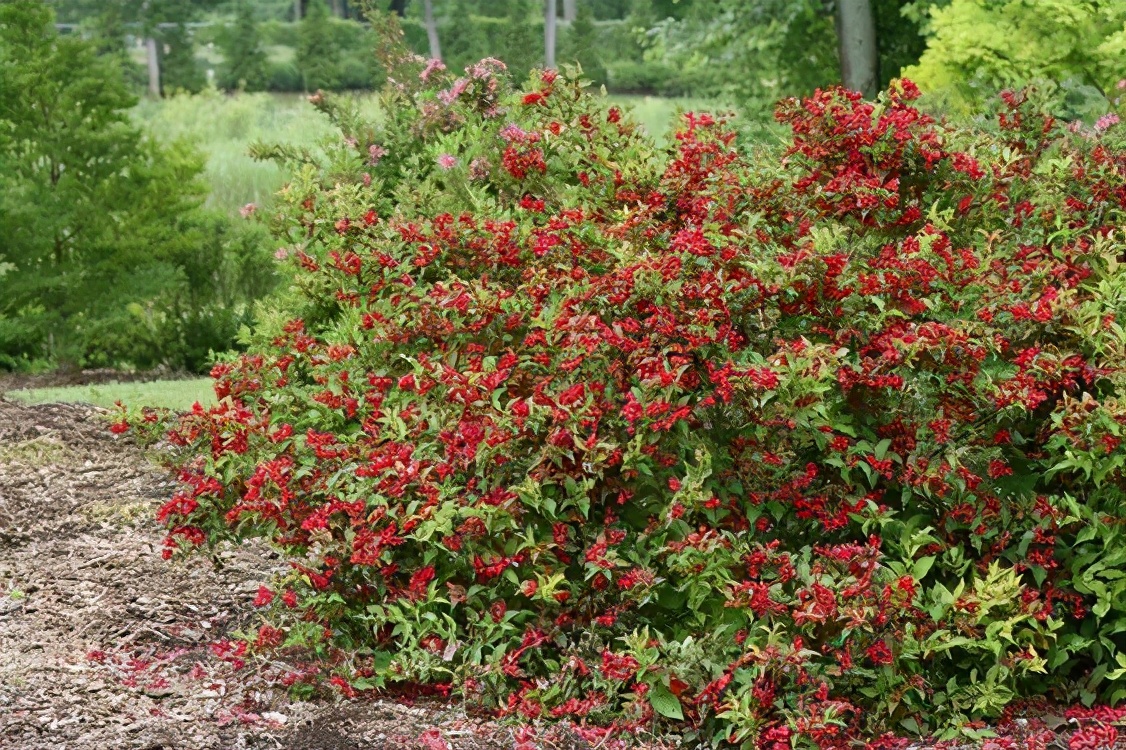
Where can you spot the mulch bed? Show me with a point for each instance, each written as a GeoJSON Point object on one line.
{"type": "Point", "coordinates": [105, 645]}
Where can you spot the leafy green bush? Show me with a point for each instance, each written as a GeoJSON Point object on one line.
{"type": "Point", "coordinates": [179, 68]}
{"type": "Point", "coordinates": [284, 77]}
{"type": "Point", "coordinates": [245, 65]}
{"type": "Point", "coordinates": [318, 51]}
{"type": "Point", "coordinates": [107, 255]}
{"type": "Point", "coordinates": [630, 77]}
{"type": "Point", "coordinates": [786, 450]}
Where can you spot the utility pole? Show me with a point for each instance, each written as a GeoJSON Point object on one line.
{"type": "Point", "coordinates": [153, 59]}
{"type": "Point", "coordinates": [297, 15]}
{"type": "Point", "coordinates": [570, 10]}
{"type": "Point", "coordinates": [432, 30]}
{"type": "Point", "coordinates": [550, 12]}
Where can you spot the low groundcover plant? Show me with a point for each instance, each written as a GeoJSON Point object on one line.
{"type": "Point", "coordinates": [781, 448]}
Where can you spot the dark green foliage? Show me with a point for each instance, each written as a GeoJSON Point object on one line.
{"type": "Point", "coordinates": [605, 10]}
{"type": "Point", "coordinates": [497, 8]}
{"type": "Point", "coordinates": [900, 35]}
{"type": "Point", "coordinates": [463, 36]}
{"type": "Point", "coordinates": [521, 41]}
{"type": "Point", "coordinates": [318, 53]}
{"type": "Point", "coordinates": [106, 254]}
{"type": "Point", "coordinates": [244, 61]}
{"type": "Point", "coordinates": [179, 69]}
{"type": "Point", "coordinates": [634, 77]}
{"type": "Point", "coordinates": [581, 45]}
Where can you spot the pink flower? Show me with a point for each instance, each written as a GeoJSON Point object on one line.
{"type": "Point", "coordinates": [479, 168]}
{"type": "Point", "coordinates": [376, 152]}
{"type": "Point", "coordinates": [486, 68]}
{"type": "Point", "coordinates": [248, 210]}
{"type": "Point", "coordinates": [281, 253]}
{"type": "Point", "coordinates": [451, 94]}
{"type": "Point", "coordinates": [432, 66]}
{"type": "Point", "coordinates": [446, 161]}
{"type": "Point", "coordinates": [1106, 122]}
{"type": "Point", "coordinates": [513, 132]}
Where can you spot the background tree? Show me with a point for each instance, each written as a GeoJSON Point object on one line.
{"type": "Point", "coordinates": [753, 52]}
{"type": "Point", "coordinates": [550, 17]}
{"type": "Point", "coordinates": [245, 64]}
{"type": "Point", "coordinates": [857, 45]}
{"type": "Point", "coordinates": [582, 45]}
{"type": "Point", "coordinates": [465, 39]}
{"type": "Point", "coordinates": [1077, 47]}
{"type": "Point", "coordinates": [161, 23]}
{"type": "Point", "coordinates": [318, 54]}
{"type": "Point", "coordinates": [100, 227]}
{"type": "Point", "coordinates": [179, 68]}
{"type": "Point", "coordinates": [520, 45]}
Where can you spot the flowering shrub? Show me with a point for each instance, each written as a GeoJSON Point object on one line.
{"type": "Point", "coordinates": [787, 450]}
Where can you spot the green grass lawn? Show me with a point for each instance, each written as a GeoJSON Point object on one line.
{"type": "Point", "coordinates": [167, 394]}
{"type": "Point", "coordinates": [223, 126]}
{"type": "Point", "coordinates": [657, 114]}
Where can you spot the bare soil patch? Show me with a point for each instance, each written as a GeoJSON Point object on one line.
{"type": "Point", "coordinates": [62, 378]}
{"type": "Point", "coordinates": [105, 645]}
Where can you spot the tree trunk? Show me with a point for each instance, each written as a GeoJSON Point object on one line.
{"type": "Point", "coordinates": [296, 10]}
{"type": "Point", "coordinates": [154, 67]}
{"type": "Point", "coordinates": [570, 10]}
{"type": "Point", "coordinates": [550, 12]}
{"type": "Point", "coordinates": [856, 37]}
{"type": "Point", "coordinates": [338, 8]}
{"type": "Point", "coordinates": [432, 30]}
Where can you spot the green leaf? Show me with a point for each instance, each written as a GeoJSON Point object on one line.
{"type": "Point", "coordinates": [881, 448]}
{"type": "Point", "coordinates": [664, 702]}
{"type": "Point", "coordinates": [922, 567]}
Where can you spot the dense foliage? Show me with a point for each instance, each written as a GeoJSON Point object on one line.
{"type": "Point", "coordinates": [746, 53]}
{"type": "Point", "coordinates": [976, 48]}
{"type": "Point", "coordinates": [795, 449]}
{"type": "Point", "coordinates": [106, 254]}
{"type": "Point", "coordinates": [245, 63]}
{"type": "Point", "coordinates": [753, 52]}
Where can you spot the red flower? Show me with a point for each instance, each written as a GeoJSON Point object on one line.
{"type": "Point", "coordinates": [420, 581]}
{"type": "Point", "coordinates": [879, 654]}
{"type": "Point", "coordinates": [615, 667]}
